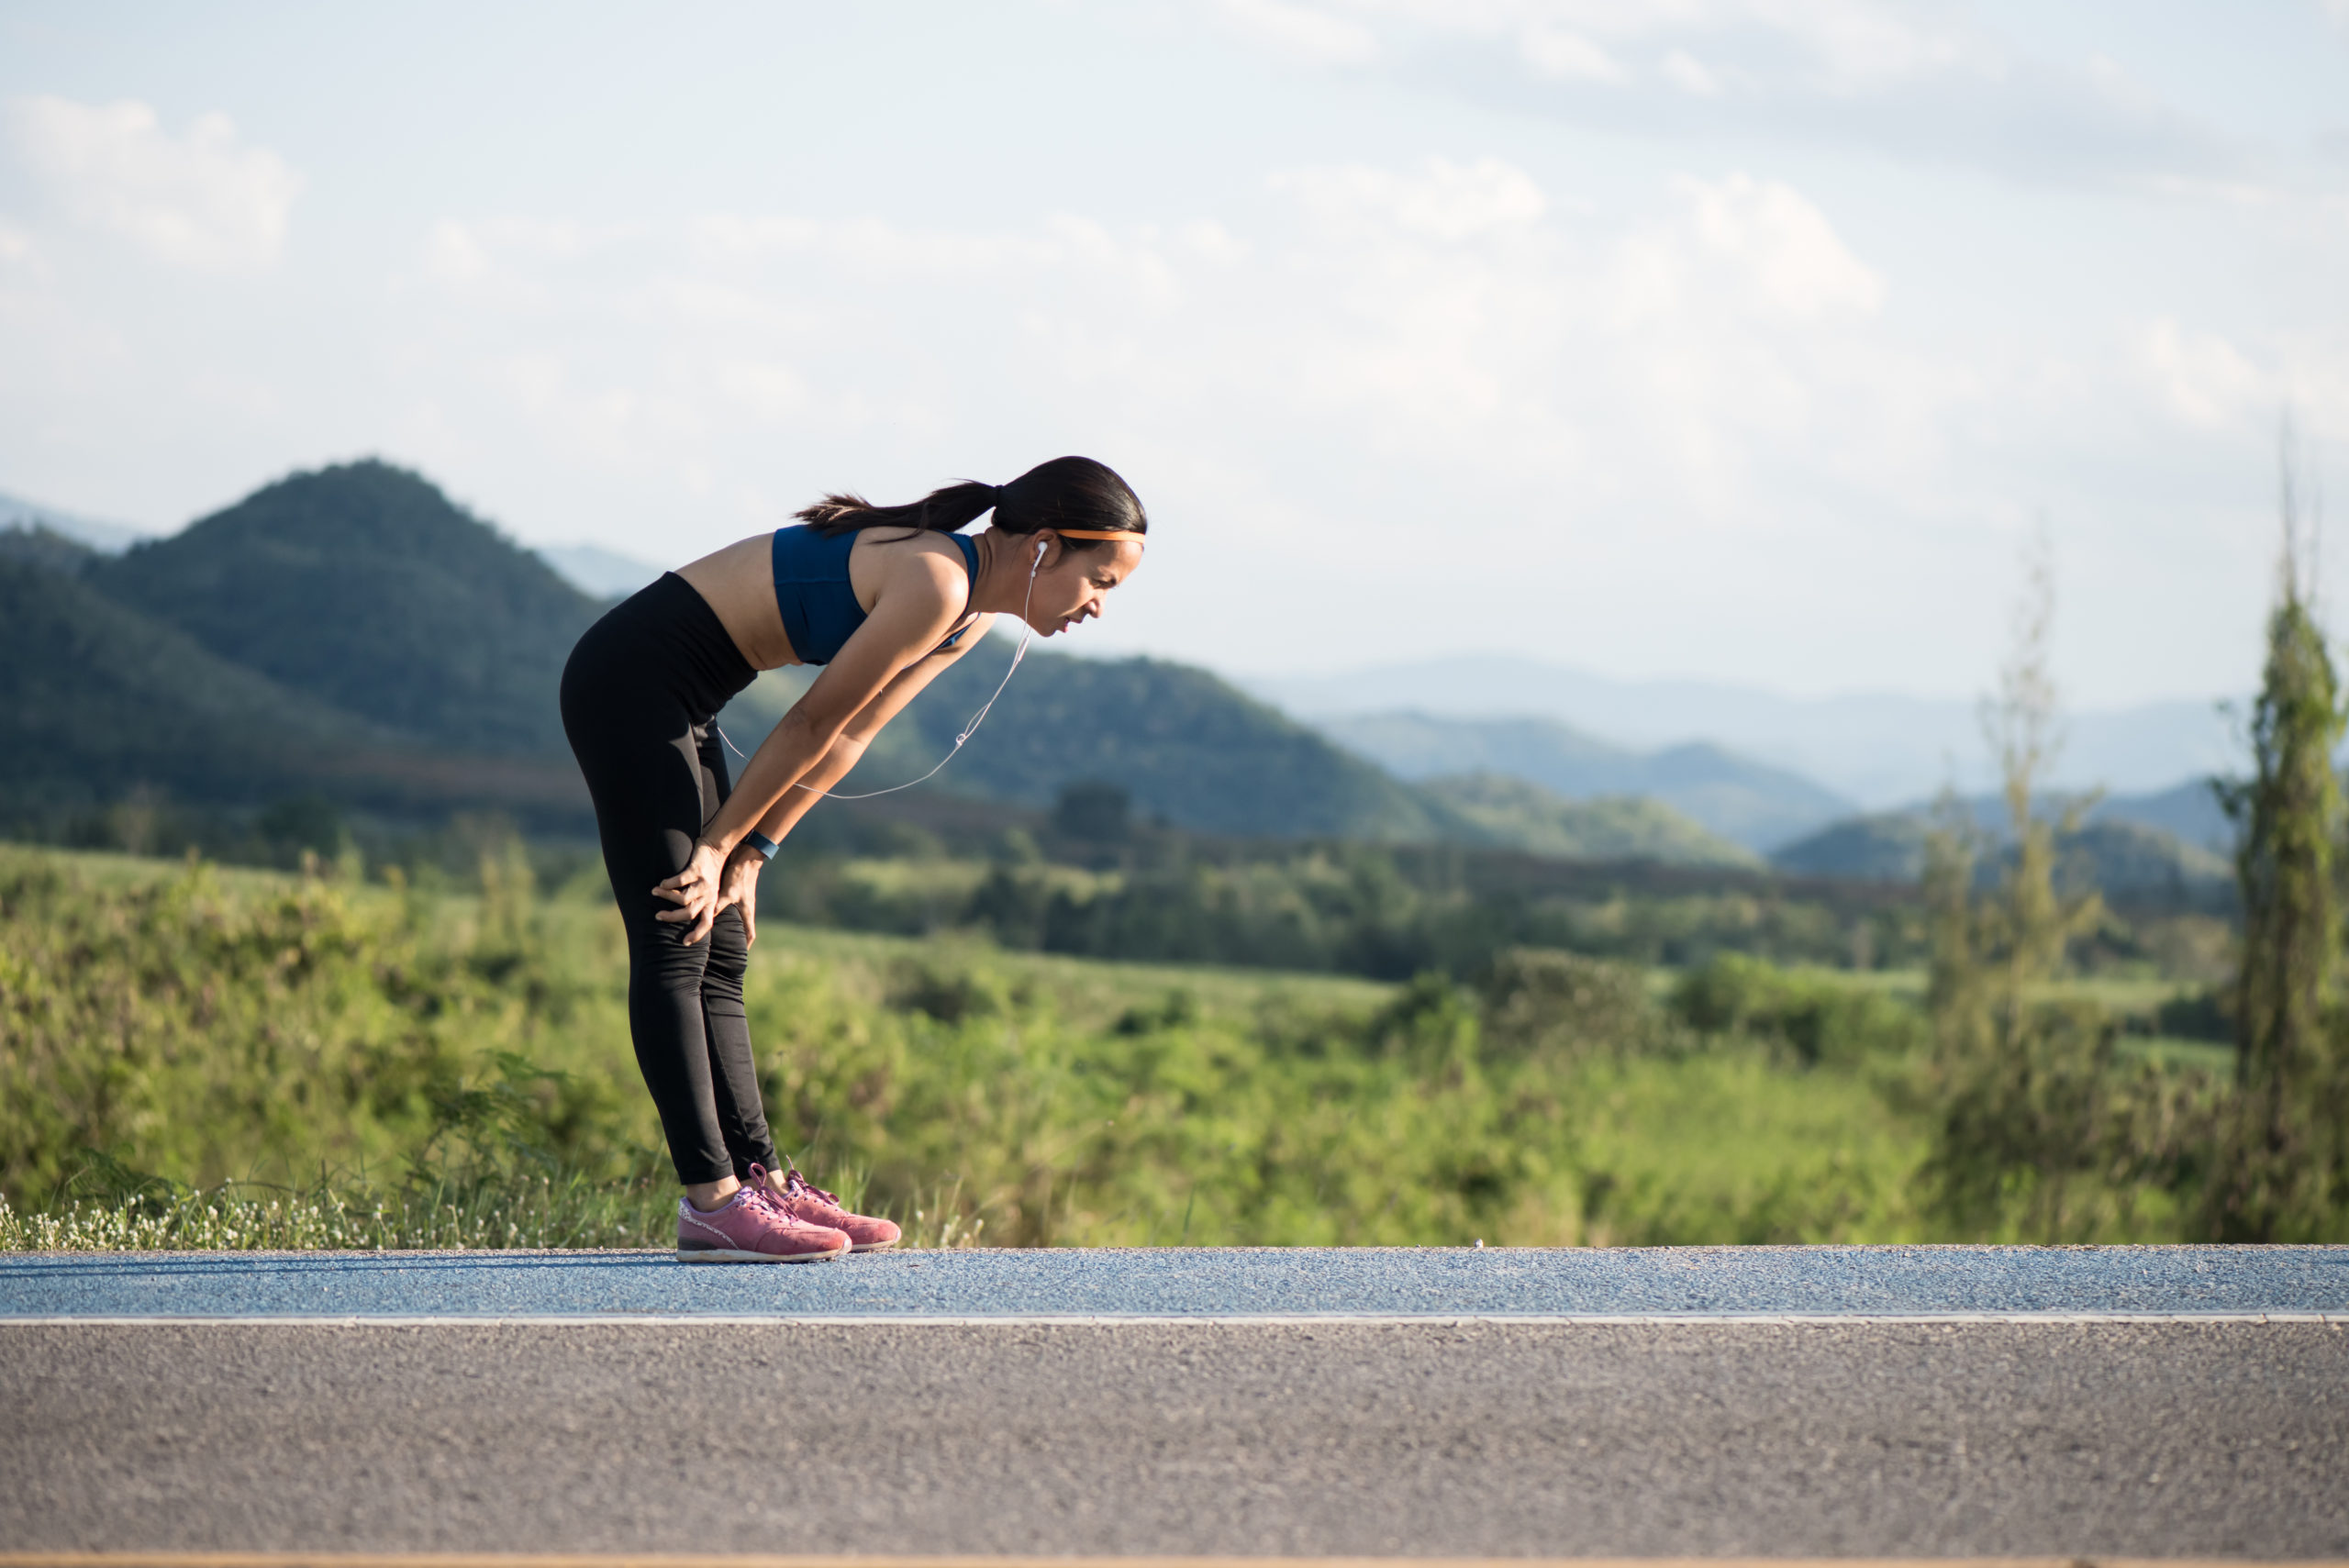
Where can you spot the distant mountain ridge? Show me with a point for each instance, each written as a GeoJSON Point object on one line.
{"type": "Point", "coordinates": [1880, 750]}
{"type": "Point", "coordinates": [2127, 858]}
{"type": "Point", "coordinates": [1190, 750]}
{"type": "Point", "coordinates": [1746, 802]}
{"type": "Point", "coordinates": [363, 586]}
{"type": "Point", "coordinates": [1512, 813]}
{"type": "Point", "coordinates": [598, 572]}
{"type": "Point", "coordinates": [351, 632]}
{"type": "Point", "coordinates": [16, 513]}
{"type": "Point", "coordinates": [93, 691]}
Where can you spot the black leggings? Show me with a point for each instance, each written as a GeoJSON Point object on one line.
{"type": "Point", "coordinates": [638, 699]}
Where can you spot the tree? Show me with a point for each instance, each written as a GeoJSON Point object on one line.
{"type": "Point", "coordinates": [2019, 1080]}
{"type": "Point", "coordinates": [2282, 1171]}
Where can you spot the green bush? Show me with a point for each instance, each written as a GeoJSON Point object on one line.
{"type": "Point", "coordinates": [1818, 1017]}
{"type": "Point", "coordinates": [1543, 1001]}
{"type": "Point", "coordinates": [367, 1065]}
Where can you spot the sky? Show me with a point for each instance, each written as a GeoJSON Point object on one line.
{"type": "Point", "coordinates": [1737, 339]}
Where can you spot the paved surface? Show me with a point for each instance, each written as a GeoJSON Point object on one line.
{"type": "Point", "coordinates": [1195, 1282]}
{"type": "Point", "coordinates": [1797, 1401]}
{"type": "Point", "coordinates": [1395, 1438]}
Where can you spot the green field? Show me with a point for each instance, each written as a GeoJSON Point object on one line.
{"type": "Point", "coordinates": [202, 1056]}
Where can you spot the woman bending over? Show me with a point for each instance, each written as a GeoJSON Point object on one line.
{"type": "Point", "coordinates": [884, 597]}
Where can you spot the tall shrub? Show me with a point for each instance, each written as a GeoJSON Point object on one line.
{"type": "Point", "coordinates": [2018, 1081]}
{"type": "Point", "coordinates": [2281, 1171]}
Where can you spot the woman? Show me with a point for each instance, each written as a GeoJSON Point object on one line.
{"type": "Point", "coordinates": [884, 597]}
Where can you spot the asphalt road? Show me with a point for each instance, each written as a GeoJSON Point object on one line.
{"type": "Point", "coordinates": [1189, 1436]}
{"type": "Point", "coordinates": [1196, 1282]}
{"type": "Point", "coordinates": [1440, 1402]}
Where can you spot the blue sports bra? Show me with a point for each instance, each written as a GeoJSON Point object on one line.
{"type": "Point", "coordinates": [818, 604]}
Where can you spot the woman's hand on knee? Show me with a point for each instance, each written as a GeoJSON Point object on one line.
{"type": "Point", "coordinates": [738, 884]}
{"type": "Point", "coordinates": [695, 892]}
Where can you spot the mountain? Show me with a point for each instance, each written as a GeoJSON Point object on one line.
{"type": "Point", "coordinates": [98, 700]}
{"type": "Point", "coordinates": [1751, 802]}
{"type": "Point", "coordinates": [1185, 746]}
{"type": "Point", "coordinates": [598, 572]}
{"type": "Point", "coordinates": [352, 631]}
{"type": "Point", "coordinates": [1194, 752]}
{"type": "Point", "coordinates": [364, 587]}
{"type": "Point", "coordinates": [95, 698]}
{"type": "Point", "coordinates": [1889, 847]}
{"type": "Point", "coordinates": [389, 625]}
{"type": "Point", "coordinates": [1506, 812]}
{"type": "Point", "coordinates": [1879, 750]}
{"type": "Point", "coordinates": [37, 544]}
{"type": "Point", "coordinates": [2129, 860]}
{"type": "Point", "coordinates": [2190, 811]}
{"type": "Point", "coordinates": [110, 538]}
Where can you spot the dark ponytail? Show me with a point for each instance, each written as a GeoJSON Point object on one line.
{"type": "Point", "coordinates": [1066, 492]}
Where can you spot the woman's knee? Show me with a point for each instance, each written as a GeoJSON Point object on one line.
{"type": "Point", "coordinates": [728, 954]}
{"type": "Point", "coordinates": [657, 950]}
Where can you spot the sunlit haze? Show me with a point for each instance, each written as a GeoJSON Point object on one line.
{"type": "Point", "coordinates": [1738, 341]}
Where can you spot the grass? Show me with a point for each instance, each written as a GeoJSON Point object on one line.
{"type": "Point", "coordinates": [200, 1058]}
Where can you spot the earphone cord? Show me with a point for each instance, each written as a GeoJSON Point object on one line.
{"type": "Point", "coordinates": [1027, 633]}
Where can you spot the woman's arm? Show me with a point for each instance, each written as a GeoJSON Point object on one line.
{"type": "Point", "coordinates": [739, 880]}
{"type": "Point", "coordinates": [919, 604]}
{"type": "Point", "coordinates": [849, 749]}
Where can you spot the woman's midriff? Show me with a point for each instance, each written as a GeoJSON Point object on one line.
{"type": "Point", "coordinates": [738, 582]}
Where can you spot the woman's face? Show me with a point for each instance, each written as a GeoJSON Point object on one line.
{"type": "Point", "coordinates": [1075, 580]}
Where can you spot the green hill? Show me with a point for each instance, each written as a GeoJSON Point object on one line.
{"type": "Point", "coordinates": [44, 547]}
{"type": "Point", "coordinates": [1192, 751]}
{"type": "Point", "coordinates": [1187, 747]}
{"type": "Point", "coordinates": [1757, 804]}
{"type": "Point", "coordinates": [96, 699]}
{"type": "Point", "coordinates": [2129, 861]}
{"type": "Point", "coordinates": [353, 632]}
{"type": "Point", "coordinates": [364, 587]}
{"type": "Point", "coordinates": [1509, 813]}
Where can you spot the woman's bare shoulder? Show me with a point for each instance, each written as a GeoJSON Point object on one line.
{"type": "Point", "coordinates": [922, 567]}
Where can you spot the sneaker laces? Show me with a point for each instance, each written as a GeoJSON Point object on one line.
{"type": "Point", "coordinates": [767, 1198]}
{"type": "Point", "coordinates": [799, 1185]}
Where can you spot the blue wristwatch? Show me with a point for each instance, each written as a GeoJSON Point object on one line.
{"type": "Point", "coordinates": [761, 843]}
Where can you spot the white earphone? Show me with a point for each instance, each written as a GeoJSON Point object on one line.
{"type": "Point", "coordinates": [1026, 635]}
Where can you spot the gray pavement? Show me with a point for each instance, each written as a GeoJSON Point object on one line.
{"type": "Point", "coordinates": [2051, 1438]}
{"type": "Point", "coordinates": [1194, 1283]}
{"type": "Point", "coordinates": [1453, 1402]}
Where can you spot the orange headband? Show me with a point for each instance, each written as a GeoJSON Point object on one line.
{"type": "Point", "coordinates": [1097, 533]}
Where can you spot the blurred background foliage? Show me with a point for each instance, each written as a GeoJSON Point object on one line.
{"type": "Point", "coordinates": [1179, 970]}
{"type": "Point", "coordinates": [367, 1061]}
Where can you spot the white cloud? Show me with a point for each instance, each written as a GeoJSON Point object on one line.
{"type": "Point", "coordinates": [203, 200]}
{"type": "Point", "coordinates": [1918, 80]}
{"type": "Point", "coordinates": [1303, 31]}
{"type": "Point", "coordinates": [1565, 56]}
{"type": "Point", "coordinates": [1439, 318]}
{"type": "Point", "coordinates": [2203, 379]}
{"type": "Point", "coordinates": [1438, 198]}
{"type": "Point", "coordinates": [1685, 72]}
{"type": "Point", "coordinates": [1792, 255]}
{"type": "Point", "coordinates": [452, 253]}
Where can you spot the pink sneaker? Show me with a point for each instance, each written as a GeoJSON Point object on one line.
{"type": "Point", "coordinates": [814, 1206]}
{"type": "Point", "coordinates": [752, 1229]}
